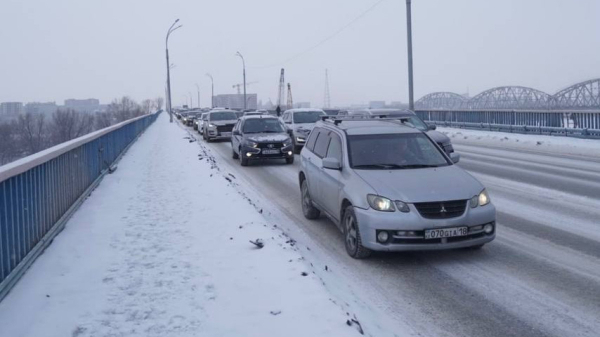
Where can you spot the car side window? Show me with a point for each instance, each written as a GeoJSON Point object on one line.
{"type": "Point", "coordinates": [322, 144]}
{"type": "Point", "coordinates": [237, 125]}
{"type": "Point", "coordinates": [335, 147]}
{"type": "Point", "coordinates": [310, 144]}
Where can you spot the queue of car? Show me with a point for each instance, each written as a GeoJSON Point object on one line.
{"type": "Point", "coordinates": [385, 178]}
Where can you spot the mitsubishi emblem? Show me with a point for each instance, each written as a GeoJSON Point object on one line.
{"type": "Point", "coordinates": [443, 210]}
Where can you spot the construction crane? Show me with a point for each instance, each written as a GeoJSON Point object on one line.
{"type": "Point", "coordinates": [240, 85]}
{"type": "Point", "coordinates": [290, 101]}
{"type": "Point", "coordinates": [281, 91]}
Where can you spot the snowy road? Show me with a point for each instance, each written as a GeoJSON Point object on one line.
{"type": "Point", "coordinates": [540, 277]}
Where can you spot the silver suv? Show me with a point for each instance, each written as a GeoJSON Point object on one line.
{"type": "Point", "coordinates": [218, 124]}
{"type": "Point", "coordinates": [299, 123]}
{"type": "Point", "coordinates": [388, 187]}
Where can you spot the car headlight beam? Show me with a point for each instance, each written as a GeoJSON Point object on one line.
{"type": "Point", "coordinates": [481, 199]}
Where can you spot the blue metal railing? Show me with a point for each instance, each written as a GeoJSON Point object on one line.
{"type": "Point", "coordinates": [40, 192]}
{"type": "Point", "coordinates": [585, 124]}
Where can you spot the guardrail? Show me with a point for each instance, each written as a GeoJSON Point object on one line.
{"type": "Point", "coordinates": [573, 123]}
{"type": "Point", "coordinates": [40, 192]}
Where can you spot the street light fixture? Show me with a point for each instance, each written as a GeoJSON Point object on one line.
{"type": "Point", "coordinates": [244, 68]}
{"type": "Point", "coordinates": [171, 30]}
{"type": "Point", "coordinates": [191, 100]}
{"type": "Point", "coordinates": [212, 95]}
{"type": "Point", "coordinates": [411, 102]}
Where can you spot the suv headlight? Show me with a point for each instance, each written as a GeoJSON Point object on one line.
{"type": "Point", "coordinates": [287, 142]}
{"type": "Point", "coordinates": [210, 125]}
{"type": "Point", "coordinates": [380, 203]}
{"type": "Point", "coordinates": [250, 143]}
{"type": "Point", "coordinates": [480, 200]}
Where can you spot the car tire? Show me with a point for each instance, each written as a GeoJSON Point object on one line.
{"type": "Point", "coordinates": [308, 209]}
{"type": "Point", "coordinates": [289, 160]}
{"type": "Point", "coordinates": [234, 155]}
{"type": "Point", "coordinates": [297, 149]}
{"type": "Point", "coordinates": [204, 135]}
{"type": "Point", "coordinates": [352, 239]}
{"type": "Point", "coordinates": [243, 160]}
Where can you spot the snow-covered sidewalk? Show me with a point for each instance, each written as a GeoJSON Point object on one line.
{"type": "Point", "coordinates": [161, 248]}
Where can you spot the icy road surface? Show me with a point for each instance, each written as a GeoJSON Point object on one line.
{"type": "Point", "coordinates": [540, 277]}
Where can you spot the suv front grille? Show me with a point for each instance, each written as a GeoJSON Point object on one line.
{"type": "Point", "coordinates": [225, 128]}
{"type": "Point", "coordinates": [441, 209]}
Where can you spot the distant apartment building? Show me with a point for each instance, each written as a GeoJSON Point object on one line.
{"type": "Point", "coordinates": [377, 104]}
{"type": "Point", "coordinates": [83, 105]}
{"type": "Point", "coordinates": [301, 105]}
{"type": "Point", "coordinates": [11, 109]}
{"type": "Point", "coordinates": [236, 101]}
{"type": "Point", "coordinates": [43, 108]}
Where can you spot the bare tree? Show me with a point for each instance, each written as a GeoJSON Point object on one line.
{"type": "Point", "coordinates": [8, 149]}
{"type": "Point", "coordinates": [124, 109]}
{"type": "Point", "coordinates": [104, 120]}
{"type": "Point", "coordinates": [69, 124]}
{"type": "Point", "coordinates": [31, 132]}
{"type": "Point", "coordinates": [148, 106]}
{"type": "Point", "coordinates": [159, 102]}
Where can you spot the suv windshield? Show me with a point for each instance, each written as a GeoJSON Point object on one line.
{"type": "Point", "coordinates": [394, 151]}
{"type": "Point", "coordinates": [222, 116]}
{"type": "Point", "coordinates": [263, 125]}
{"type": "Point", "coordinates": [307, 116]}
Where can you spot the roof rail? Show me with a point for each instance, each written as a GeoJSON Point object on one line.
{"type": "Point", "coordinates": [366, 118]}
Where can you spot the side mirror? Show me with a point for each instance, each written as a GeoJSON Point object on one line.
{"type": "Point", "coordinates": [332, 163]}
{"type": "Point", "coordinates": [236, 133]}
{"type": "Point", "coordinates": [455, 157]}
{"type": "Point", "coordinates": [431, 126]}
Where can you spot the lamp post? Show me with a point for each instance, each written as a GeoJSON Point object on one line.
{"type": "Point", "coordinates": [212, 93]}
{"type": "Point", "coordinates": [411, 102]}
{"type": "Point", "coordinates": [244, 69]}
{"type": "Point", "coordinates": [191, 100]}
{"type": "Point", "coordinates": [198, 88]}
{"type": "Point", "coordinates": [171, 30]}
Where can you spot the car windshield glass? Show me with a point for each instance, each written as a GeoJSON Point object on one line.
{"type": "Point", "coordinates": [307, 116]}
{"type": "Point", "coordinates": [222, 116]}
{"type": "Point", "coordinates": [394, 151]}
{"type": "Point", "coordinates": [262, 125]}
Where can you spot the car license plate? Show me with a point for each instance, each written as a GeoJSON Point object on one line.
{"type": "Point", "coordinates": [226, 134]}
{"type": "Point", "coordinates": [445, 232]}
{"type": "Point", "coordinates": [270, 151]}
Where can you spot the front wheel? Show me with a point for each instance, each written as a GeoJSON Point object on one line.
{"type": "Point", "coordinates": [297, 149]}
{"type": "Point", "coordinates": [243, 159]}
{"type": "Point", "coordinates": [308, 209]}
{"type": "Point", "coordinates": [234, 155]}
{"type": "Point", "coordinates": [352, 239]}
{"type": "Point", "coordinates": [289, 160]}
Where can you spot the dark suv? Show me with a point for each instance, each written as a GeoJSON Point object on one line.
{"type": "Point", "coordinates": [260, 137]}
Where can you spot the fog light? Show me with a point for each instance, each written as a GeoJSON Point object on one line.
{"type": "Point", "coordinates": [382, 236]}
{"type": "Point", "coordinates": [290, 153]}
{"type": "Point", "coordinates": [488, 228]}
{"type": "Point", "coordinates": [248, 154]}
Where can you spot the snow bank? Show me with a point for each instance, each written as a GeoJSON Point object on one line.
{"type": "Point", "coordinates": [537, 143]}
{"type": "Point", "coordinates": [162, 248]}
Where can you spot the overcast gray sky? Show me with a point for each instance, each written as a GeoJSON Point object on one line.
{"type": "Point", "coordinates": [53, 50]}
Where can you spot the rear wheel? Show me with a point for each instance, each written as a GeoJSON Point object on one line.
{"type": "Point", "coordinates": [352, 239]}
{"type": "Point", "coordinates": [308, 209]}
